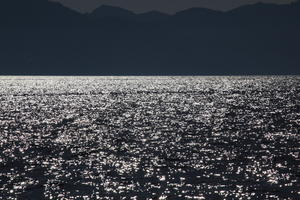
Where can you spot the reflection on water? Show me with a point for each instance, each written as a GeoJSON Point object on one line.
{"type": "Point", "coordinates": [149, 137]}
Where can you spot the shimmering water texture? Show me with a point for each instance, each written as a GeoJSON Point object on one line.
{"type": "Point", "coordinates": [149, 137]}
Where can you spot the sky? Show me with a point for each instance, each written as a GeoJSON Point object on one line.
{"type": "Point", "coordinates": [167, 6]}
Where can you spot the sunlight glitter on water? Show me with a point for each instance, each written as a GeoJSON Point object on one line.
{"type": "Point", "coordinates": [149, 137]}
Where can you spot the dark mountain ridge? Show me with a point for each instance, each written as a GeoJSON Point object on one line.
{"type": "Point", "coordinates": [46, 38]}
{"type": "Point", "coordinates": [17, 13]}
{"type": "Point", "coordinates": [111, 12]}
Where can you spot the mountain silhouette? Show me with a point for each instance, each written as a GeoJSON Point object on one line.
{"type": "Point", "coordinates": [39, 37]}
{"type": "Point", "coordinates": [198, 13]}
{"type": "Point", "coordinates": [262, 13]}
{"type": "Point", "coordinates": [111, 12]}
{"type": "Point", "coordinates": [153, 16]}
{"type": "Point", "coordinates": [18, 13]}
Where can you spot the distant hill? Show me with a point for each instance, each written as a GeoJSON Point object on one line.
{"type": "Point", "coordinates": [46, 38]}
{"type": "Point", "coordinates": [111, 12]}
{"type": "Point", "coordinates": [153, 16]}
{"type": "Point", "coordinates": [262, 13]}
{"type": "Point", "coordinates": [24, 13]}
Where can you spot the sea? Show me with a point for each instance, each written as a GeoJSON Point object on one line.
{"type": "Point", "coordinates": [149, 137]}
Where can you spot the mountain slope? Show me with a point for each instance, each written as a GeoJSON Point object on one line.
{"type": "Point", "coordinates": [153, 16]}
{"type": "Point", "coordinates": [262, 13]}
{"type": "Point", "coordinates": [50, 39]}
{"type": "Point", "coordinates": [21, 13]}
{"type": "Point", "coordinates": [111, 12]}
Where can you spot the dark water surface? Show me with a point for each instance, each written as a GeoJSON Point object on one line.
{"type": "Point", "coordinates": [149, 137]}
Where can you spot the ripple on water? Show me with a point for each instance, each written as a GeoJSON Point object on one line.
{"type": "Point", "coordinates": [149, 137]}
